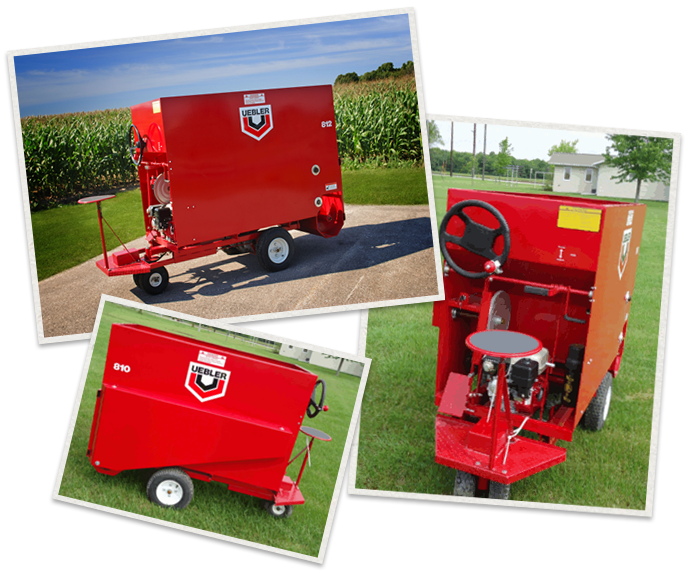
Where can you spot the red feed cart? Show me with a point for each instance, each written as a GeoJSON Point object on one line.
{"type": "Point", "coordinates": [531, 333]}
{"type": "Point", "coordinates": [189, 409]}
{"type": "Point", "coordinates": [232, 172]}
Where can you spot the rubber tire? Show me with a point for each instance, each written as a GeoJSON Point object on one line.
{"type": "Point", "coordinates": [177, 475]}
{"type": "Point", "coordinates": [262, 249]}
{"type": "Point", "coordinates": [137, 280]}
{"type": "Point", "coordinates": [145, 281]}
{"type": "Point", "coordinates": [287, 511]}
{"type": "Point", "coordinates": [598, 409]}
{"type": "Point", "coordinates": [465, 484]}
{"type": "Point", "coordinates": [499, 491]}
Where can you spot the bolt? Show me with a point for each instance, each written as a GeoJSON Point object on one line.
{"type": "Point", "coordinates": [477, 463]}
{"type": "Point", "coordinates": [98, 463]}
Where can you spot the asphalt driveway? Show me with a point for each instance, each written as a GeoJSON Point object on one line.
{"type": "Point", "coordinates": [383, 253]}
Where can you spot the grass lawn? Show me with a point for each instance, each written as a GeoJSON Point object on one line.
{"type": "Point", "coordinates": [68, 235]}
{"type": "Point", "coordinates": [606, 469]}
{"type": "Point", "coordinates": [214, 508]}
{"type": "Point", "coordinates": [402, 186]}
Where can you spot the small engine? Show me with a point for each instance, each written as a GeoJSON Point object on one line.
{"type": "Point", "coordinates": [161, 216]}
{"type": "Point", "coordinates": [522, 375]}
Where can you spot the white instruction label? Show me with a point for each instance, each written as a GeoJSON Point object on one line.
{"type": "Point", "coordinates": [211, 358]}
{"type": "Point", "coordinates": [254, 98]}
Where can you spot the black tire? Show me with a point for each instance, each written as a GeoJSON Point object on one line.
{"type": "Point", "coordinates": [598, 409]}
{"type": "Point", "coordinates": [465, 484]}
{"type": "Point", "coordinates": [275, 249]}
{"type": "Point", "coordinates": [170, 488]}
{"type": "Point", "coordinates": [154, 282]}
{"type": "Point", "coordinates": [278, 511]}
{"type": "Point", "coordinates": [137, 280]}
{"type": "Point", "coordinates": [498, 491]}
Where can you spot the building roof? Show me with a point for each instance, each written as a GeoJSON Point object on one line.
{"type": "Point", "coordinates": [564, 159]}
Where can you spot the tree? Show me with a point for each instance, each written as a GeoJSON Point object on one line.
{"type": "Point", "coordinates": [504, 157]}
{"type": "Point", "coordinates": [347, 78]}
{"type": "Point", "coordinates": [565, 147]}
{"type": "Point", "coordinates": [433, 134]}
{"type": "Point", "coordinates": [639, 158]}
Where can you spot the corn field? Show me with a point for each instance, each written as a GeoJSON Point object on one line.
{"type": "Point", "coordinates": [72, 155]}
{"type": "Point", "coordinates": [378, 120]}
{"type": "Point", "coordinates": [67, 155]}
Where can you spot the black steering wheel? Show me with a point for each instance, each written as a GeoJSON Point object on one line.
{"type": "Point", "coordinates": [314, 407]}
{"type": "Point", "coordinates": [139, 144]}
{"type": "Point", "coordinates": [476, 238]}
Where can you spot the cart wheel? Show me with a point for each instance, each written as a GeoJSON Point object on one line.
{"type": "Point", "coordinates": [153, 282]}
{"type": "Point", "coordinates": [278, 511]}
{"type": "Point", "coordinates": [596, 413]}
{"type": "Point", "coordinates": [170, 488]}
{"type": "Point", "coordinates": [275, 248]}
{"type": "Point", "coordinates": [498, 491]}
{"type": "Point", "coordinates": [137, 280]}
{"type": "Point", "coordinates": [465, 485]}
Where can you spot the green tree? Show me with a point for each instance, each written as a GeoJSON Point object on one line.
{"type": "Point", "coordinates": [504, 157]}
{"type": "Point", "coordinates": [347, 78]}
{"type": "Point", "coordinates": [433, 134]}
{"type": "Point", "coordinates": [565, 147]}
{"type": "Point", "coordinates": [639, 158]}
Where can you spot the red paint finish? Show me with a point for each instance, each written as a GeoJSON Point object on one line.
{"type": "Point", "coordinates": [570, 277]}
{"type": "Point", "coordinates": [224, 181]}
{"type": "Point", "coordinates": [218, 413]}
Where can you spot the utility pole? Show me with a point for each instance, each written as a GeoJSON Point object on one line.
{"type": "Point", "coordinates": [451, 155]}
{"type": "Point", "coordinates": [484, 153]}
{"type": "Point", "coordinates": [472, 174]}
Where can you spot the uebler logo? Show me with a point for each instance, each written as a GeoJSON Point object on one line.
{"type": "Point", "coordinates": [256, 121]}
{"type": "Point", "coordinates": [624, 253]}
{"type": "Point", "coordinates": [206, 382]}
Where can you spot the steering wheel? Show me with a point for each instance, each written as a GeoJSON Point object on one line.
{"type": "Point", "coordinates": [314, 407]}
{"type": "Point", "coordinates": [138, 145]}
{"type": "Point", "coordinates": [476, 238]}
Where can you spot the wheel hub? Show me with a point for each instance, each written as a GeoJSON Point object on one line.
{"type": "Point", "coordinates": [169, 492]}
{"type": "Point", "coordinates": [278, 250]}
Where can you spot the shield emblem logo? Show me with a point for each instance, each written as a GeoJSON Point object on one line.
{"type": "Point", "coordinates": [256, 121]}
{"type": "Point", "coordinates": [624, 253]}
{"type": "Point", "coordinates": [206, 382]}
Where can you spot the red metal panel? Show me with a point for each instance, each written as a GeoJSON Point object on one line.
{"type": "Point", "coordinates": [455, 395]}
{"type": "Point", "coordinates": [238, 421]}
{"type": "Point", "coordinates": [224, 181]}
{"type": "Point", "coordinates": [535, 234]}
{"type": "Point", "coordinates": [610, 308]}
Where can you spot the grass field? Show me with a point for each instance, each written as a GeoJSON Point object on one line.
{"type": "Point", "coordinates": [605, 469]}
{"type": "Point", "coordinates": [215, 508]}
{"type": "Point", "coordinates": [68, 235]}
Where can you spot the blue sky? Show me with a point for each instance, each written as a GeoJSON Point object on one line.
{"type": "Point", "coordinates": [128, 74]}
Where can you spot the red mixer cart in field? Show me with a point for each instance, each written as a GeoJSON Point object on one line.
{"type": "Point", "coordinates": [189, 409]}
{"type": "Point", "coordinates": [531, 333]}
{"type": "Point", "coordinates": [233, 172]}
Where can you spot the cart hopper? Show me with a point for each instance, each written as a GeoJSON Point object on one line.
{"type": "Point", "coordinates": [172, 403]}
{"type": "Point", "coordinates": [560, 270]}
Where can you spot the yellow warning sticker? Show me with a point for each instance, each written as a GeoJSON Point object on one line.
{"type": "Point", "coordinates": [576, 218]}
{"type": "Point", "coordinates": [156, 105]}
